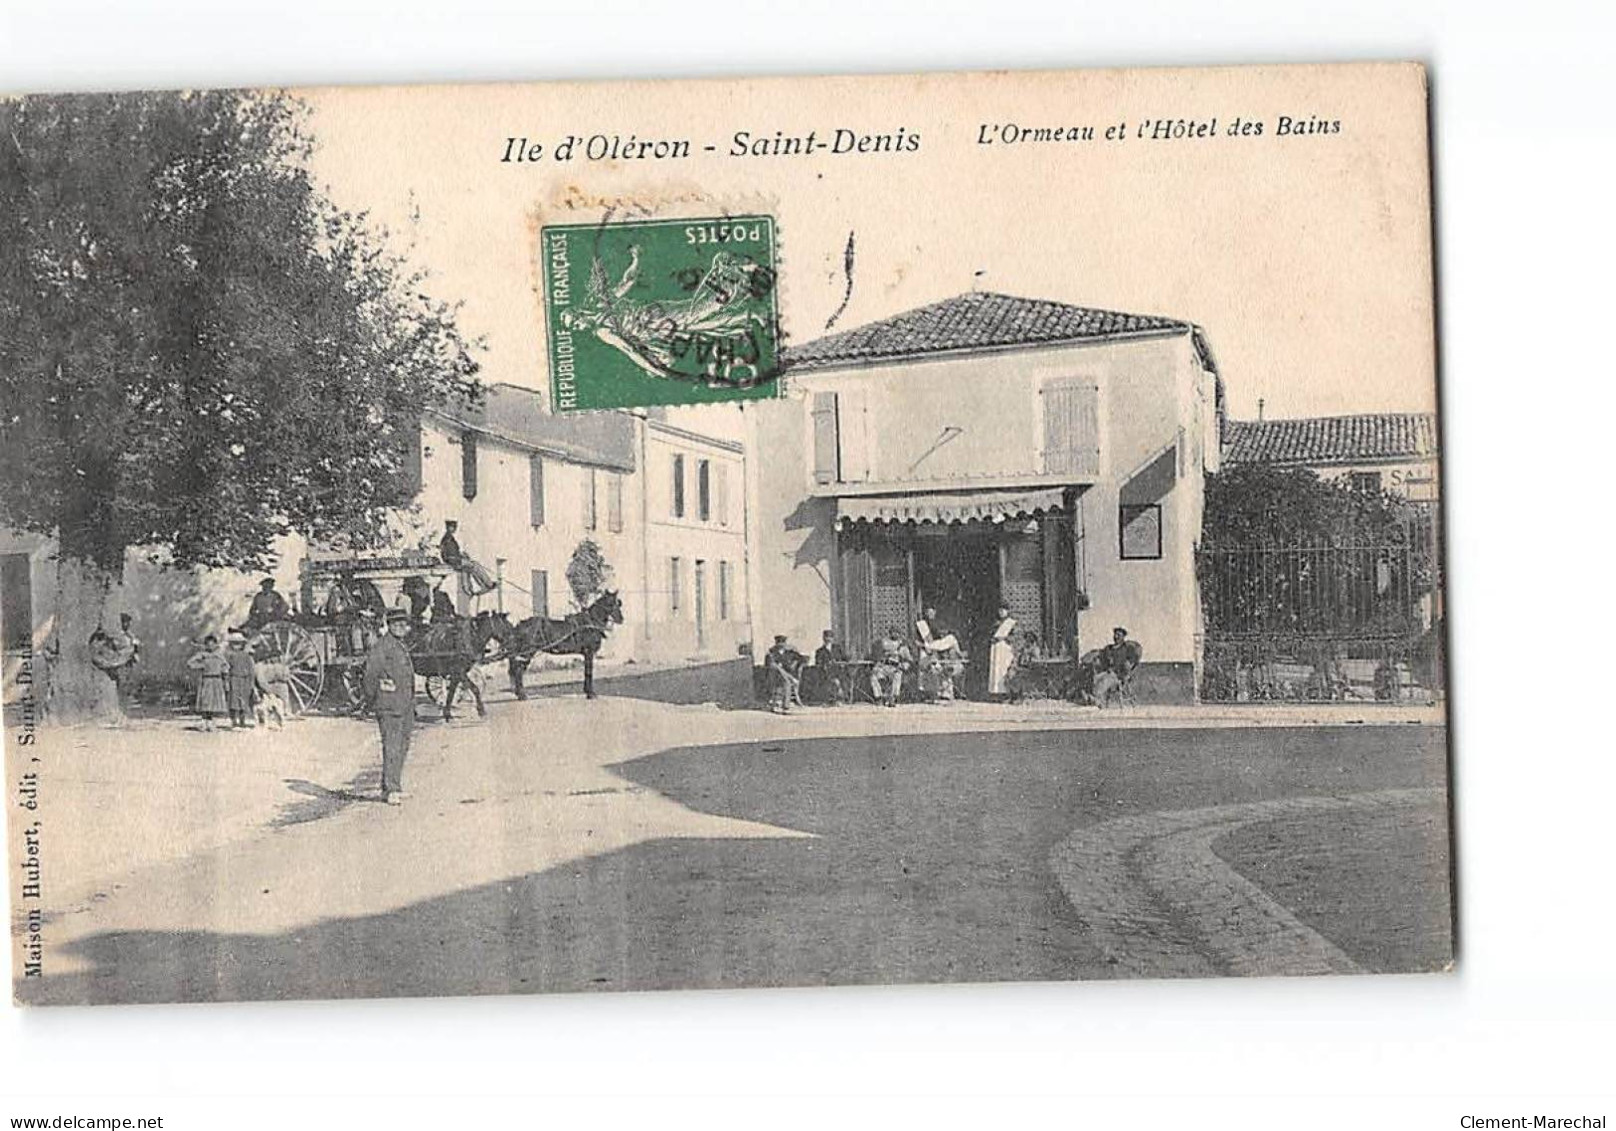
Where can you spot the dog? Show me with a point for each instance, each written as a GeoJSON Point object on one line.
{"type": "Point", "coordinates": [270, 707]}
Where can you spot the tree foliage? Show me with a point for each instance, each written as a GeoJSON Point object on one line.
{"type": "Point", "coordinates": [587, 572]}
{"type": "Point", "coordinates": [198, 350]}
{"type": "Point", "coordinates": [1249, 505]}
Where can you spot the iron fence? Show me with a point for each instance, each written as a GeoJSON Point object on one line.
{"type": "Point", "coordinates": [1322, 623]}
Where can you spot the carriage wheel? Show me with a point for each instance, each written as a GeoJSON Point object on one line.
{"type": "Point", "coordinates": [436, 685]}
{"type": "Point", "coordinates": [295, 647]}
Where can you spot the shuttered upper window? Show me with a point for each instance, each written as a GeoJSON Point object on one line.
{"type": "Point", "coordinates": [826, 468]}
{"type": "Point", "coordinates": [614, 502]}
{"type": "Point", "coordinates": [468, 465]}
{"type": "Point", "coordinates": [1071, 426]}
{"type": "Point", "coordinates": [535, 490]}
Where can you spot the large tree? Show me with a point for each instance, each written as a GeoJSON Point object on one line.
{"type": "Point", "coordinates": [199, 352]}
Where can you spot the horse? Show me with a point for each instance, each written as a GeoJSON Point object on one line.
{"type": "Point", "coordinates": [577, 634]}
{"type": "Point", "coordinates": [451, 649]}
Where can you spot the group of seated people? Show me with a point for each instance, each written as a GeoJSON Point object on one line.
{"type": "Point", "coordinates": [933, 668]}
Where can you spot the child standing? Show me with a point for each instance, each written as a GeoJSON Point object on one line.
{"type": "Point", "coordinates": [211, 699]}
{"type": "Point", "coordinates": [240, 688]}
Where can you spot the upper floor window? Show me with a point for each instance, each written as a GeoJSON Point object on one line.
{"type": "Point", "coordinates": [1071, 426]}
{"type": "Point", "coordinates": [704, 490]}
{"type": "Point", "coordinates": [468, 465]}
{"type": "Point", "coordinates": [535, 489]}
{"type": "Point", "coordinates": [614, 502]}
{"type": "Point", "coordinates": [678, 486]}
{"type": "Point", "coordinates": [591, 510]}
{"type": "Point", "coordinates": [1365, 482]}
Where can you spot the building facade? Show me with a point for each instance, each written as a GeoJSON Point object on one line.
{"type": "Point", "coordinates": [526, 488]}
{"type": "Point", "coordinates": [1384, 451]}
{"type": "Point", "coordinates": [989, 450]}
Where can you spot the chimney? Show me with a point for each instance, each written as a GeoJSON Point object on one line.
{"type": "Point", "coordinates": [1259, 408]}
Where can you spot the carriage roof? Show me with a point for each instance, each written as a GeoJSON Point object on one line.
{"type": "Point", "coordinates": [374, 566]}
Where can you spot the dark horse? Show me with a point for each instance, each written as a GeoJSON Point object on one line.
{"type": "Point", "coordinates": [579, 634]}
{"type": "Point", "coordinates": [451, 649]}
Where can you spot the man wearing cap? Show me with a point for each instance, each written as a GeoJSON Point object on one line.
{"type": "Point", "coordinates": [783, 664]}
{"type": "Point", "coordinates": [267, 606]}
{"type": "Point", "coordinates": [389, 688]}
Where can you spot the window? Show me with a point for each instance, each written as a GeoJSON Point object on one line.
{"type": "Point", "coordinates": [724, 582]}
{"type": "Point", "coordinates": [468, 465]}
{"type": "Point", "coordinates": [535, 489]}
{"type": "Point", "coordinates": [678, 486]}
{"type": "Point", "coordinates": [540, 591]}
{"type": "Point", "coordinates": [590, 508]}
{"type": "Point", "coordinates": [1365, 482]}
{"type": "Point", "coordinates": [721, 493]}
{"type": "Point", "coordinates": [675, 585]}
{"type": "Point", "coordinates": [704, 490]}
{"type": "Point", "coordinates": [1139, 531]}
{"type": "Point", "coordinates": [826, 463]}
{"type": "Point", "coordinates": [614, 502]}
{"type": "Point", "coordinates": [1071, 426]}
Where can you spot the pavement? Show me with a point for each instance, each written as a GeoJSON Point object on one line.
{"type": "Point", "coordinates": [627, 842]}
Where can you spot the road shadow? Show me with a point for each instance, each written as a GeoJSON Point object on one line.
{"type": "Point", "coordinates": [927, 861]}
{"type": "Point", "coordinates": [316, 802]}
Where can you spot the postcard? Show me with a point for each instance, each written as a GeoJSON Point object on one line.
{"type": "Point", "coordinates": [731, 533]}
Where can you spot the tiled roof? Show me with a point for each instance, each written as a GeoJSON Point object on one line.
{"type": "Point", "coordinates": [977, 320]}
{"type": "Point", "coordinates": [1331, 439]}
{"type": "Point", "coordinates": [518, 416]}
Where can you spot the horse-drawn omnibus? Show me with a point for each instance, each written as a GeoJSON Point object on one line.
{"type": "Point", "coordinates": [343, 598]}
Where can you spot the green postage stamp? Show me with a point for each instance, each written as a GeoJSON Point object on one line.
{"type": "Point", "coordinates": [661, 312]}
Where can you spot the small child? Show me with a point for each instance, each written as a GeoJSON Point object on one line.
{"type": "Point", "coordinates": [274, 693]}
{"type": "Point", "coordinates": [213, 671]}
{"type": "Point", "coordinates": [240, 689]}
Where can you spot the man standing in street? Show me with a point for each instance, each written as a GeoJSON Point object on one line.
{"type": "Point", "coordinates": [389, 687]}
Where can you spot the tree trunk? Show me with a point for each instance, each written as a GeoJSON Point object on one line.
{"type": "Point", "coordinates": [77, 691]}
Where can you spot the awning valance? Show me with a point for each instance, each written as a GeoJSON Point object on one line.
{"type": "Point", "coordinates": [943, 507]}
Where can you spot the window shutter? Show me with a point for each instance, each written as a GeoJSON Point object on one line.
{"type": "Point", "coordinates": [1071, 427]}
{"type": "Point", "coordinates": [614, 502]}
{"type": "Point", "coordinates": [468, 465]}
{"type": "Point", "coordinates": [825, 461]}
{"type": "Point", "coordinates": [852, 437]}
{"type": "Point", "coordinates": [412, 458]}
{"type": "Point", "coordinates": [535, 489]}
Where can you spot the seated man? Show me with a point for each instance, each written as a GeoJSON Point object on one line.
{"type": "Point", "coordinates": [892, 658]}
{"type": "Point", "coordinates": [934, 637]}
{"type": "Point", "coordinates": [782, 665]}
{"type": "Point", "coordinates": [1113, 665]}
{"type": "Point", "coordinates": [829, 673]}
{"type": "Point", "coordinates": [267, 606]}
{"type": "Point", "coordinates": [443, 610]}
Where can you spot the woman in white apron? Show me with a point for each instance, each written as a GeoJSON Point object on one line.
{"type": "Point", "coordinates": [1001, 656]}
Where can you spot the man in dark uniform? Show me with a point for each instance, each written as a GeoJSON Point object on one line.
{"type": "Point", "coordinates": [267, 606]}
{"type": "Point", "coordinates": [449, 545]}
{"type": "Point", "coordinates": [389, 687]}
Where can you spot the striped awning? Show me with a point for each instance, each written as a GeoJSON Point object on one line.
{"type": "Point", "coordinates": [947, 507]}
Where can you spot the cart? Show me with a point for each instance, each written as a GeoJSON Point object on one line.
{"type": "Point", "coordinates": [324, 644]}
